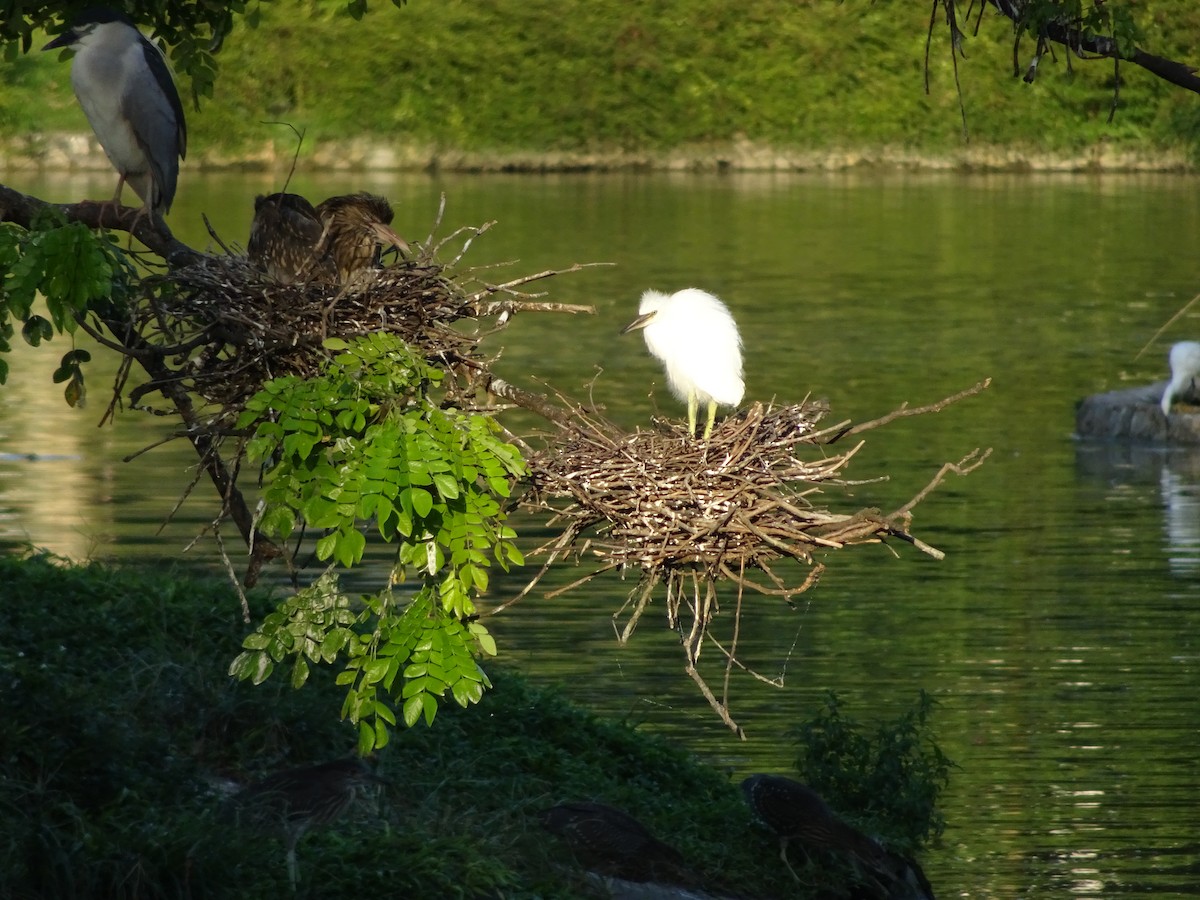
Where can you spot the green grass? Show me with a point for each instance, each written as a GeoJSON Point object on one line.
{"type": "Point", "coordinates": [535, 76]}
{"type": "Point", "coordinates": [118, 723]}
{"type": "Point", "coordinates": [121, 736]}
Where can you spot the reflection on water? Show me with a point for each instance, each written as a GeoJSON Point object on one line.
{"type": "Point", "coordinates": [1061, 634]}
{"type": "Point", "coordinates": [1181, 501]}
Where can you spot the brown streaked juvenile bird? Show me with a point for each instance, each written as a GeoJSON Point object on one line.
{"type": "Point", "coordinates": [356, 229]}
{"type": "Point", "coordinates": [284, 237]}
{"type": "Point", "coordinates": [611, 842]}
{"type": "Point", "coordinates": [295, 800]}
{"type": "Point", "coordinates": [794, 810]}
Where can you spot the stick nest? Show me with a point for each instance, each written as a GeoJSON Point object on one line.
{"type": "Point", "coordinates": [661, 500]}
{"type": "Point", "coordinates": [237, 328]}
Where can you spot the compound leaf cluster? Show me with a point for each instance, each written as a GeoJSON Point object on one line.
{"type": "Point", "coordinates": [365, 447]}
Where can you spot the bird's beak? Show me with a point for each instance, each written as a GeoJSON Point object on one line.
{"type": "Point", "coordinates": [66, 39]}
{"type": "Point", "coordinates": [640, 322]}
{"type": "Point", "coordinates": [389, 238]}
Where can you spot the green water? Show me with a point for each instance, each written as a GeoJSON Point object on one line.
{"type": "Point", "coordinates": [1061, 634]}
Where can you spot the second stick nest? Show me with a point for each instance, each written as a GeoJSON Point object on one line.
{"type": "Point", "coordinates": [662, 501]}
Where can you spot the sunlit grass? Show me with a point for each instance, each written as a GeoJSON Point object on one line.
{"type": "Point", "coordinates": [604, 77]}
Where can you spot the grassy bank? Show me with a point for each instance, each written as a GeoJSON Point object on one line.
{"type": "Point", "coordinates": [615, 80]}
{"type": "Point", "coordinates": [119, 728]}
{"type": "Point", "coordinates": [122, 739]}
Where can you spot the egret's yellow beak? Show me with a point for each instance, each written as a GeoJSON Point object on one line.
{"type": "Point", "coordinates": [639, 322]}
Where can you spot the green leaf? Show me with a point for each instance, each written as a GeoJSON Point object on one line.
{"type": "Point", "coordinates": [366, 737]}
{"type": "Point", "coordinates": [422, 502]}
{"type": "Point", "coordinates": [35, 330]}
{"type": "Point", "coordinates": [383, 711]}
{"type": "Point", "coordinates": [374, 670]}
{"type": "Point", "coordinates": [447, 486]}
{"type": "Point", "coordinates": [382, 735]}
{"type": "Point", "coordinates": [429, 706]}
{"type": "Point", "coordinates": [412, 709]}
{"type": "Point", "coordinates": [327, 545]}
{"type": "Point", "coordinates": [299, 673]}
{"type": "Point", "coordinates": [253, 665]}
{"type": "Point", "coordinates": [487, 643]}
{"type": "Point", "coordinates": [350, 547]}
{"type": "Point", "coordinates": [256, 641]}
{"type": "Point", "coordinates": [467, 692]}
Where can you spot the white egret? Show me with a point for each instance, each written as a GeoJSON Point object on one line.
{"type": "Point", "coordinates": [1185, 368]}
{"type": "Point", "coordinates": [697, 341]}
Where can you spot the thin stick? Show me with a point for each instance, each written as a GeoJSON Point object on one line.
{"type": "Point", "coordinates": [720, 708]}
{"type": "Point", "coordinates": [1171, 321]}
{"type": "Point", "coordinates": [904, 409]}
{"type": "Point", "coordinates": [964, 466]}
{"type": "Point", "coordinates": [649, 580]}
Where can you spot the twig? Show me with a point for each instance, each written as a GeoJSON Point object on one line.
{"type": "Point", "coordinates": [904, 409]}
{"type": "Point", "coordinates": [720, 708]}
{"type": "Point", "coordinates": [1171, 321]}
{"type": "Point", "coordinates": [509, 286]}
{"type": "Point", "coordinates": [964, 466]}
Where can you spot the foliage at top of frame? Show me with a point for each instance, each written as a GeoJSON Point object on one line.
{"type": "Point", "coordinates": [193, 29]}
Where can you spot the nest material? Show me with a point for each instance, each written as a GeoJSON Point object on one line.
{"type": "Point", "coordinates": [664, 502]}
{"type": "Point", "coordinates": [233, 328]}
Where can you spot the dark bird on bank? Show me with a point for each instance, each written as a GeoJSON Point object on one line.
{"type": "Point", "coordinates": [611, 842]}
{"type": "Point", "coordinates": [284, 238]}
{"type": "Point", "coordinates": [126, 91]}
{"type": "Point", "coordinates": [357, 227]}
{"type": "Point", "coordinates": [293, 801]}
{"type": "Point", "coordinates": [795, 811]}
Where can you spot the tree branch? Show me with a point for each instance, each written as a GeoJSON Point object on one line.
{"type": "Point", "coordinates": [21, 209]}
{"type": "Point", "coordinates": [905, 410]}
{"type": "Point", "coordinates": [1079, 42]}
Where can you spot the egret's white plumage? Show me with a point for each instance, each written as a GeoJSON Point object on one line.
{"type": "Point", "coordinates": [126, 91]}
{"type": "Point", "coordinates": [694, 335]}
{"type": "Point", "coordinates": [1185, 368]}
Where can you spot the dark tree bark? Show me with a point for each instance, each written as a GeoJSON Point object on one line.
{"type": "Point", "coordinates": [1080, 42]}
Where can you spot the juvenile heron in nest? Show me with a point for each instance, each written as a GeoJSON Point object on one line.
{"type": "Point", "coordinates": [356, 229]}
{"type": "Point", "coordinates": [1185, 368]}
{"type": "Point", "coordinates": [794, 810]}
{"type": "Point", "coordinates": [611, 841]}
{"type": "Point", "coordinates": [694, 336]}
{"type": "Point", "coordinates": [295, 800]}
{"type": "Point", "coordinates": [126, 91]}
{"type": "Point", "coordinates": [284, 237]}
